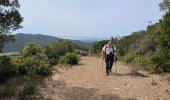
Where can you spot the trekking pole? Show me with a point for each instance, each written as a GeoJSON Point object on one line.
{"type": "Point", "coordinates": [102, 64]}
{"type": "Point", "coordinates": [102, 61]}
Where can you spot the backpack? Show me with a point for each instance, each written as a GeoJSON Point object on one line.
{"type": "Point", "coordinates": [106, 48]}
{"type": "Point", "coordinates": [113, 51]}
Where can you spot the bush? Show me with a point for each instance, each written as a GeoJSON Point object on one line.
{"type": "Point", "coordinates": [7, 69]}
{"type": "Point", "coordinates": [141, 62]}
{"type": "Point", "coordinates": [57, 49]}
{"type": "Point", "coordinates": [43, 69]}
{"type": "Point", "coordinates": [146, 63]}
{"type": "Point", "coordinates": [27, 65]}
{"type": "Point", "coordinates": [27, 91]}
{"type": "Point", "coordinates": [98, 46]}
{"type": "Point", "coordinates": [32, 62]}
{"type": "Point", "coordinates": [129, 58]}
{"type": "Point", "coordinates": [31, 49]}
{"type": "Point", "coordinates": [69, 58]}
{"type": "Point", "coordinates": [162, 63]}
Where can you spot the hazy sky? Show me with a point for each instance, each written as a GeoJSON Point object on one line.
{"type": "Point", "coordinates": [87, 18]}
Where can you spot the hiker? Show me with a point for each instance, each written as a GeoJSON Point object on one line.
{"type": "Point", "coordinates": [108, 53]}
{"type": "Point", "coordinates": [89, 52]}
{"type": "Point", "coordinates": [81, 52]}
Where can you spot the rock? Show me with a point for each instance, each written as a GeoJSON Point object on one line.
{"type": "Point", "coordinates": [153, 83]}
{"type": "Point", "coordinates": [126, 84]}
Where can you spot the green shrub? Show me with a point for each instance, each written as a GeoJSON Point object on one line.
{"type": "Point", "coordinates": [43, 69]}
{"type": "Point", "coordinates": [27, 65]}
{"type": "Point", "coordinates": [57, 49]}
{"type": "Point", "coordinates": [63, 60]}
{"type": "Point", "coordinates": [27, 91]}
{"type": "Point", "coordinates": [141, 62]}
{"type": "Point", "coordinates": [161, 61]}
{"type": "Point", "coordinates": [23, 64]}
{"type": "Point", "coordinates": [145, 63]}
{"type": "Point", "coordinates": [31, 49]}
{"type": "Point", "coordinates": [7, 69]}
{"type": "Point", "coordinates": [129, 58]}
{"type": "Point", "coordinates": [32, 62]}
{"type": "Point", "coordinates": [99, 45]}
{"type": "Point", "coordinates": [69, 58]}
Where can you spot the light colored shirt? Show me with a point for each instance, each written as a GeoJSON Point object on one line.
{"type": "Point", "coordinates": [109, 49]}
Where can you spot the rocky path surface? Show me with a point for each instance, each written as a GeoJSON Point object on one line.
{"type": "Point", "coordinates": [87, 81]}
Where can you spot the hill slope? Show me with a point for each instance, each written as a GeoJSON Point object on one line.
{"type": "Point", "coordinates": [22, 39]}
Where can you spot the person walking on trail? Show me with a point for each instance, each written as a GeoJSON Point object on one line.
{"type": "Point", "coordinates": [108, 53]}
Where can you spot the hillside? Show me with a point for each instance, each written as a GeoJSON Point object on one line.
{"type": "Point", "coordinates": [149, 49]}
{"type": "Point", "coordinates": [22, 39]}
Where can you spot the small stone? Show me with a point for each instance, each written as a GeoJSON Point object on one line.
{"type": "Point", "coordinates": [126, 84]}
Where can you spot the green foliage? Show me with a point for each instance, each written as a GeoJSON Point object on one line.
{"type": "Point", "coordinates": [165, 36]}
{"type": "Point", "coordinates": [7, 69]}
{"type": "Point", "coordinates": [129, 58]}
{"type": "Point", "coordinates": [62, 46]}
{"type": "Point", "coordinates": [142, 62]}
{"type": "Point", "coordinates": [31, 64]}
{"type": "Point", "coordinates": [10, 17]}
{"type": "Point", "coordinates": [98, 46]}
{"type": "Point", "coordinates": [162, 56]}
{"type": "Point", "coordinates": [32, 60]}
{"type": "Point", "coordinates": [10, 20]}
{"type": "Point", "coordinates": [147, 43]}
{"type": "Point", "coordinates": [148, 49]}
{"type": "Point", "coordinates": [27, 91]}
{"type": "Point", "coordinates": [141, 42]}
{"type": "Point", "coordinates": [31, 49]}
{"type": "Point", "coordinates": [69, 58]}
{"type": "Point", "coordinates": [123, 45]}
{"type": "Point", "coordinates": [55, 50]}
{"type": "Point", "coordinates": [159, 59]}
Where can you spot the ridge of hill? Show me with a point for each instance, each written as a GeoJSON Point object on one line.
{"type": "Point", "coordinates": [22, 39]}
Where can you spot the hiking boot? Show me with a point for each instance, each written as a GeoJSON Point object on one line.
{"type": "Point", "coordinates": [107, 74]}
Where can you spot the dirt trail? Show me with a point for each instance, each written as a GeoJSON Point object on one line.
{"type": "Point", "coordinates": [87, 82]}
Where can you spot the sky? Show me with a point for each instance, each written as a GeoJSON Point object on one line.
{"type": "Point", "coordinates": [87, 18]}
